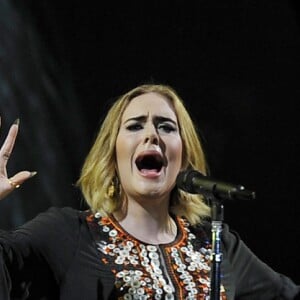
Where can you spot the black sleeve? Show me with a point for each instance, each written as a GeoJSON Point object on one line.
{"type": "Point", "coordinates": [247, 277]}
{"type": "Point", "coordinates": [35, 257]}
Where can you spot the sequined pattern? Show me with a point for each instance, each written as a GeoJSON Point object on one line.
{"type": "Point", "coordinates": [179, 270]}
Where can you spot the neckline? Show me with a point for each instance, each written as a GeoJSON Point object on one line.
{"type": "Point", "coordinates": [180, 235]}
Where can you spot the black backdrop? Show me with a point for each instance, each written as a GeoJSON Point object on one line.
{"type": "Point", "coordinates": [235, 63]}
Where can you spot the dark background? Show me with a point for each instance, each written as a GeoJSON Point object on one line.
{"type": "Point", "coordinates": [235, 63]}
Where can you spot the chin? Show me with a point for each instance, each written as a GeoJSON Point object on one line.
{"type": "Point", "coordinates": [149, 192]}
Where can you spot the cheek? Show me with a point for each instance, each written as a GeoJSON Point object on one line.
{"type": "Point", "coordinates": [124, 149]}
{"type": "Point", "coordinates": [120, 151]}
{"type": "Point", "coordinates": [175, 150]}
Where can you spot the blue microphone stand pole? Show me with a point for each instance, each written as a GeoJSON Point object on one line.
{"type": "Point", "coordinates": [217, 214]}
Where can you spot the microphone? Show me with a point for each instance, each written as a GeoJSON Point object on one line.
{"type": "Point", "coordinates": [194, 182]}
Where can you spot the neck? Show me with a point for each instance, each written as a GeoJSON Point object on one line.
{"type": "Point", "coordinates": [149, 223]}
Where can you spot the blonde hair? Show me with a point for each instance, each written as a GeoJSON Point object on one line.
{"type": "Point", "coordinates": [99, 170]}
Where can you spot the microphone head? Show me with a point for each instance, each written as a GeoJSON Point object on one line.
{"type": "Point", "coordinates": [184, 180]}
{"type": "Point", "coordinates": [194, 182]}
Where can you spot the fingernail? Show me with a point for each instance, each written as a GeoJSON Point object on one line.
{"type": "Point", "coordinates": [33, 173]}
{"type": "Point", "coordinates": [17, 122]}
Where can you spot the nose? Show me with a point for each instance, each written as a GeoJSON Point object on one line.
{"type": "Point", "coordinates": [151, 135]}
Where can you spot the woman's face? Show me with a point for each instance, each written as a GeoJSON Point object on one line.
{"type": "Point", "coordinates": [148, 148]}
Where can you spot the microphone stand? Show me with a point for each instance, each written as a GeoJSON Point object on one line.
{"type": "Point", "coordinates": [217, 215]}
{"type": "Point", "coordinates": [194, 182]}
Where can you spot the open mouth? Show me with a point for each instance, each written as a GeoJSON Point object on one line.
{"type": "Point", "coordinates": [149, 162]}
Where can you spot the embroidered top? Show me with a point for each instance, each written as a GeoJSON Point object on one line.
{"type": "Point", "coordinates": [177, 270]}
{"type": "Point", "coordinates": [63, 254]}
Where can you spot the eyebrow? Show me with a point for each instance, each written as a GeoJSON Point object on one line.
{"type": "Point", "coordinates": [156, 119]}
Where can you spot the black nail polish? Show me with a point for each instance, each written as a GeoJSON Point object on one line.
{"type": "Point", "coordinates": [17, 122]}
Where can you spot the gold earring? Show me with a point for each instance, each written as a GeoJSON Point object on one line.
{"type": "Point", "coordinates": [111, 191]}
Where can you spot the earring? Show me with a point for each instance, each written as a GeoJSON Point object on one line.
{"type": "Point", "coordinates": [114, 187]}
{"type": "Point", "coordinates": [111, 190]}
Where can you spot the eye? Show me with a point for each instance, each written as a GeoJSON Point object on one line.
{"type": "Point", "coordinates": [134, 127]}
{"type": "Point", "coordinates": [166, 127]}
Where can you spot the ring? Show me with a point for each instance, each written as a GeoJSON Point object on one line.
{"type": "Point", "coordinates": [6, 156]}
{"type": "Point", "coordinates": [13, 184]}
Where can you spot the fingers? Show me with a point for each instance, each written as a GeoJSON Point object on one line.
{"type": "Point", "coordinates": [16, 180]}
{"type": "Point", "coordinates": [8, 146]}
{"type": "Point", "coordinates": [7, 185]}
{"type": "Point", "coordinates": [13, 184]}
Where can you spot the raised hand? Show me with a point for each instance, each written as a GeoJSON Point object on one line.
{"type": "Point", "coordinates": [8, 184]}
